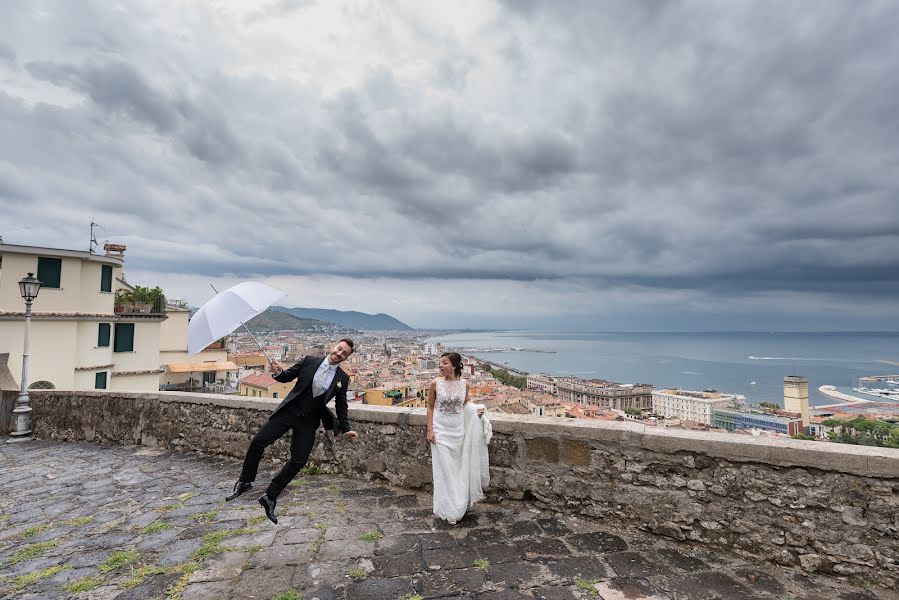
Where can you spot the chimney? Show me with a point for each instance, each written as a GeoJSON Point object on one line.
{"type": "Point", "coordinates": [115, 250]}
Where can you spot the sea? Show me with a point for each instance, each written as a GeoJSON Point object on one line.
{"type": "Point", "coordinates": [747, 363]}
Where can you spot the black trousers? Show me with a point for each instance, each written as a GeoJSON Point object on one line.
{"type": "Point", "coordinates": [301, 442]}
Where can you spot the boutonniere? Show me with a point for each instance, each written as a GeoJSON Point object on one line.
{"type": "Point", "coordinates": [339, 384]}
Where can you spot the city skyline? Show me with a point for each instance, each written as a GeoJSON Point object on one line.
{"type": "Point", "coordinates": [645, 166]}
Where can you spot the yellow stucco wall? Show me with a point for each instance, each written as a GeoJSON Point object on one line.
{"type": "Point", "coordinates": [173, 334]}
{"type": "Point", "coordinates": [146, 350]}
{"type": "Point", "coordinates": [53, 350]}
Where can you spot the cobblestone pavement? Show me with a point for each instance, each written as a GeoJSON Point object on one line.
{"type": "Point", "coordinates": [100, 522]}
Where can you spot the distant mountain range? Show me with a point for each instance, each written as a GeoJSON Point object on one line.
{"type": "Point", "coordinates": [273, 320]}
{"type": "Point", "coordinates": [348, 318]}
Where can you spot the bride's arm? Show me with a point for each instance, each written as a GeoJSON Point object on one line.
{"type": "Point", "coordinates": [432, 399]}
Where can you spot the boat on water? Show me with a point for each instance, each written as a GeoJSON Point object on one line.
{"type": "Point", "coordinates": [889, 394]}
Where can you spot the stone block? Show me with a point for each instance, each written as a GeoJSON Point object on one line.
{"type": "Point", "coordinates": [576, 452]}
{"type": "Point", "coordinates": [543, 449]}
{"type": "Point", "coordinates": [627, 589]}
{"type": "Point", "coordinates": [375, 466]}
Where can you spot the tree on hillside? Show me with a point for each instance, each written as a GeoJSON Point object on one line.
{"type": "Point", "coordinates": [864, 432]}
{"type": "Point", "coordinates": [506, 378]}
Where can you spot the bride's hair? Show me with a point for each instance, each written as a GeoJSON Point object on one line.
{"type": "Point", "coordinates": [456, 360]}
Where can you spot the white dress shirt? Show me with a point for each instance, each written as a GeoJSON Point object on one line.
{"type": "Point", "coordinates": [323, 377]}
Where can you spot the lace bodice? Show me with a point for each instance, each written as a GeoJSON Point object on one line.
{"type": "Point", "coordinates": [450, 396]}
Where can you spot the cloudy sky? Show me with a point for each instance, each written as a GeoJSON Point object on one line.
{"type": "Point", "coordinates": [579, 165]}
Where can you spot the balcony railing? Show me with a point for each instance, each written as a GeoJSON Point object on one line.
{"type": "Point", "coordinates": [157, 307]}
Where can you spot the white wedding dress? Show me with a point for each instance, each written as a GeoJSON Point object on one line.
{"type": "Point", "coordinates": [459, 458]}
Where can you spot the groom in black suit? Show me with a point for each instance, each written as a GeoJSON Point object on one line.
{"type": "Point", "coordinates": [319, 379]}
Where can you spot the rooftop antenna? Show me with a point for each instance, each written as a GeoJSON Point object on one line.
{"type": "Point", "coordinates": [93, 237]}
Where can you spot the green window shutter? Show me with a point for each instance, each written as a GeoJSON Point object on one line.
{"type": "Point", "coordinates": [100, 380]}
{"type": "Point", "coordinates": [274, 394]}
{"type": "Point", "coordinates": [103, 335]}
{"type": "Point", "coordinates": [124, 337]}
{"type": "Point", "coordinates": [49, 271]}
{"type": "Point", "coordinates": [106, 278]}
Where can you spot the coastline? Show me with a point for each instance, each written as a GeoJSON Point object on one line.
{"type": "Point", "coordinates": [833, 392]}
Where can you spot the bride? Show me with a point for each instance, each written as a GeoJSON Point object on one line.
{"type": "Point", "coordinates": [458, 433]}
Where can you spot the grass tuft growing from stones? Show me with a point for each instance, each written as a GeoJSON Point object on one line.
{"type": "Point", "coordinates": [288, 595]}
{"type": "Point", "coordinates": [85, 584]}
{"type": "Point", "coordinates": [334, 488]}
{"type": "Point", "coordinates": [317, 545]}
{"type": "Point", "coordinates": [156, 527]}
{"type": "Point", "coordinates": [371, 536]}
{"type": "Point", "coordinates": [212, 542]}
{"type": "Point", "coordinates": [356, 573]}
{"type": "Point", "coordinates": [23, 581]}
{"type": "Point", "coordinates": [181, 499]}
{"type": "Point", "coordinates": [256, 519]}
{"type": "Point", "coordinates": [79, 521]}
{"type": "Point", "coordinates": [588, 586]}
{"type": "Point", "coordinates": [33, 531]}
{"type": "Point", "coordinates": [119, 559]}
{"type": "Point", "coordinates": [32, 551]}
{"type": "Point", "coordinates": [310, 470]}
{"type": "Point", "coordinates": [411, 596]}
{"type": "Point", "coordinates": [482, 564]}
{"type": "Point", "coordinates": [206, 517]}
{"type": "Point", "coordinates": [141, 573]}
{"type": "Point", "coordinates": [174, 592]}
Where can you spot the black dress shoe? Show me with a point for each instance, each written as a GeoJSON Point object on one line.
{"type": "Point", "coordinates": [269, 505]}
{"type": "Point", "coordinates": [239, 488]}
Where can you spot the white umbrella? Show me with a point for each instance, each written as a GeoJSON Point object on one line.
{"type": "Point", "coordinates": [227, 311]}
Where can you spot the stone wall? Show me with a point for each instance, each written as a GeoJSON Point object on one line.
{"type": "Point", "coordinates": [820, 507]}
{"type": "Point", "coordinates": [9, 391]}
{"type": "Point", "coordinates": [7, 404]}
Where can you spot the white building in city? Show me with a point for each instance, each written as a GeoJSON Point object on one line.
{"type": "Point", "coordinates": [543, 382]}
{"type": "Point", "coordinates": [689, 405]}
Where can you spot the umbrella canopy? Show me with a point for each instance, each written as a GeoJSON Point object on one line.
{"type": "Point", "coordinates": [227, 311]}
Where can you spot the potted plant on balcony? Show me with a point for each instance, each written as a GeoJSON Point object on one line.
{"type": "Point", "coordinates": [123, 301]}
{"type": "Point", "coordinates": [140, 299]}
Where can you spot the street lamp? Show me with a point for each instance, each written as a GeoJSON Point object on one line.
{"type": "Point", "coordinates": [29, 287]}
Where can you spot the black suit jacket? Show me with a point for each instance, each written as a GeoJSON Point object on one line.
{"type": "Point", "coordinates": [303, 372]}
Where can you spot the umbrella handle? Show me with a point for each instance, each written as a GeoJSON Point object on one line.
{"type": "Point", "coordinates": [269, 358]}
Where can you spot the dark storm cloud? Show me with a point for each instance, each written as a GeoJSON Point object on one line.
{"type": "Point", "coordinates": [727, 149]}
{"type": "Point", "coordinates": [115, 87]}
{"type": "Point", "coordinates": [7, 54]}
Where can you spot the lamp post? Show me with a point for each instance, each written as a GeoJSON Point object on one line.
{"type": "Point", "coordinates": [29, 286]}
